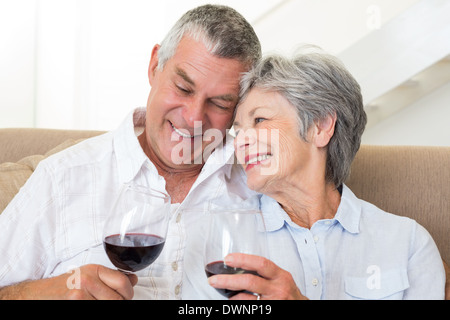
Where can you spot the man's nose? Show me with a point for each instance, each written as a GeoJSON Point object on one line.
{"type": "Point", "coordinates": [194, 112]}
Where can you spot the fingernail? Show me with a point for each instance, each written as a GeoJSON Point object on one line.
{"type": "Point", "coordinates": [229, 259]}
{"type": "Point", "coordinates": [212, 281]}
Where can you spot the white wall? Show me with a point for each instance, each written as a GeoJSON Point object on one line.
{"type": "Point", "coordinates": [92, 60]}
{"type": "Point", "coordinates": [17, 62]}
{"type": "Point", "coordinates": [425, 122]}
{"type": "Point", "coordinates": [333, 25]}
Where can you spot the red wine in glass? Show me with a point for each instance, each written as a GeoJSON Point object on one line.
{"type": "Point", "coordinates": [136, 227]}
{"type": "Point", "coordinates": [133, 251]}
{"type": "Point", "coordinates": [233, 231]}
{"type": "Point", "coordinates": [219, 267]}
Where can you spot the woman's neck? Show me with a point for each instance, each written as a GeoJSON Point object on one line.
{"type": "Point", "coordinates": [305, 206]}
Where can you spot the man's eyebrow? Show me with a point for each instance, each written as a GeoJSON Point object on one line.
{"type": "Point", "coordinates": [226, 97]}
{"type": "Point", "coordinates": [184, 75]}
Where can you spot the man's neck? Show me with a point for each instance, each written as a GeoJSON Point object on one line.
{"type": "Point", "coordinates": [179, 180]}
{"type": "Point", "coordinates": [178, 186]}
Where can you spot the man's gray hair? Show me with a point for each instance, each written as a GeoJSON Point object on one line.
{"type": "Point", "coordinates": [223, 30]}
{"type": "Point", "coordinates": [317, 85]}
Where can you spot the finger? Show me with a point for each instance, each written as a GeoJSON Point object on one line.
{"type": "Point", "coordinates": [95, 287]}
{"type": "Point", "coordinates": [133, 279]}
{"type": "Point", "coordinates": [273, 283]}
{"type": "Point", "coordinates": [77, 294]}
{"type": "Point", "coordinates": [117, 281]}
{"type": "Point", "coordinates": [237, 282]}
{"type": "Point", "coordinates": [264, 267]}
{"type": "Point", "coordinates": [244, 296]}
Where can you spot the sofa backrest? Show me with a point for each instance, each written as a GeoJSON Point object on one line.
{"type": "Point", "coordinates": [412, 181]}
{"type": "Point", "coordinates": [18, 143]}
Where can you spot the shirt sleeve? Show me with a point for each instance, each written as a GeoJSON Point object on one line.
{"type": "Point", "coordinates": [28, 229]}
{"type": "Point", "coordinates": [425, 268]}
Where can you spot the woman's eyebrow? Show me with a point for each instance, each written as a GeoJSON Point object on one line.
{"type": "Point", "coordinates": [250, 114]}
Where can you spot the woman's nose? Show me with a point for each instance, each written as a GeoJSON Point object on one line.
{"type": "Point", "coordinates": [245, 138]}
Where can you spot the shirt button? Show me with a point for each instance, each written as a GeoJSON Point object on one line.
{"type": "Point", "coordinates": [315, 282]}
{"type": "Point", "coordinates": [174, 266]}
{"type": "Point", "coordinates": [177, 289]}
{"type": "Point", "coordinates": [178, 217]}
{"type": "Point", "coordinates": [316, 239]}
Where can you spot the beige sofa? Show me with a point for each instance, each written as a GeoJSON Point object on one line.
{"type": "Point", "coordinates": [408, 181]}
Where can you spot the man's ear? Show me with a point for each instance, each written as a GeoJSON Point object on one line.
{"type": "Point", "coordinates": [153, 64]}
{"type": "Point", "coordinates": [324, 130]}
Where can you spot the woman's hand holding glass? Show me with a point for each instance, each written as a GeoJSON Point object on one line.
{"type": "Point", "coordinates": [235, 258]}
{"type": "Point", "coordinates": [273, 282]}
{"type": "Point", "coordinates": [234, 230]}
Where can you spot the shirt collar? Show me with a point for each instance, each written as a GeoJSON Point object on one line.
{"type": "Point", "coordinates": [274, 215]}
{"type": "Point", "coordinates": [222, 156]}
{"type": "Point", "coordinates": [348, 214]}
{"type": "Point", "coordinates": [129, 154]}
{"type": "Point", "coordinates": [349, 211]}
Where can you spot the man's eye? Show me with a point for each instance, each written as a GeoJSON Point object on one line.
{"type": "Point", "coordinates": [220, 106]}
{"type": "Point", "coordinates": [183, 90]}
{"type": "Point", "coordinates": [258, 120]}
{"type": "Point", "coordinates": [223, 106]}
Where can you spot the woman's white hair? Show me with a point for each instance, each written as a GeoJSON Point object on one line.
{"type": "Point", "coordinates": [317, 85]}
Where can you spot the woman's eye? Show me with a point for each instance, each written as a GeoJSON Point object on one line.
{"type": "Point", "coordinates": [258, 120]}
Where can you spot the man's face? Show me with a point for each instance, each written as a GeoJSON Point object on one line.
{"type": "Point", "coordinates": [194, 92]}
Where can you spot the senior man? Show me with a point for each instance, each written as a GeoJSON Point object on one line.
{"type": "Point", "coordinates": [55, 222]}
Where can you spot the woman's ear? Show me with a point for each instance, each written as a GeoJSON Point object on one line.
{"type": "Point", "coordinates": [153, 64]}
{"type": "Point", "coordinates": [324, 130]}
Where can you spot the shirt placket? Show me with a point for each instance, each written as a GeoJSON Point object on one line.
{"type": "Point", "coordinates": [175, 269]}
{"type": "Point", "coordinates": [306, 246]}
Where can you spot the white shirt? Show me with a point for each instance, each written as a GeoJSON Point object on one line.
{"type": "Point", "coordinates": [55, 222]}
{"type": "Point", "coordinates": [362, 253]}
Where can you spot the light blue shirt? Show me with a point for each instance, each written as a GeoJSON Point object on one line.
{"type": "Point", "coordinates": [362, 253]}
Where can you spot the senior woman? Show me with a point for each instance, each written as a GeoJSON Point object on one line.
{"type": "Point", "coordinates": [324, 242]}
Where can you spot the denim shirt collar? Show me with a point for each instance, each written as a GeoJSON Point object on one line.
{"type": "Point", "coordinates": [348, 214]}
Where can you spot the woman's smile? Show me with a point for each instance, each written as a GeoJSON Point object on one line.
{"type": "Point", "coordinates": [254, 160]}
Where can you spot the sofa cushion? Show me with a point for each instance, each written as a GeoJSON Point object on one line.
{"type": "Point", "coordinates": [13, 175]}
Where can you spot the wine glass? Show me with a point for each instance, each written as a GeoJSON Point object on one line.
{"type": "Point", "coordinates": [231, 231]}
{"type": "Point", "coordinates": [136, 228]}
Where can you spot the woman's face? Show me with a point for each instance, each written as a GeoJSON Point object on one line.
{"type": "Point", "coordinates": [268, 143]}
